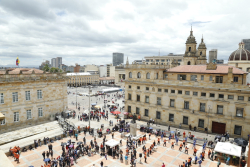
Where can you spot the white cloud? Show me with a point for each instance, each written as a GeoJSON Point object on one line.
{"type": "Point", "coordinates": [88, 32]}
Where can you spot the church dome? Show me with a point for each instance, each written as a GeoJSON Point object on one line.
{"type": "Point", "coordinates": [202, 45]}
{"type": "Point", "coordinates": [191, 38]}
{"type": "Point", "coordinates": [240, 54]}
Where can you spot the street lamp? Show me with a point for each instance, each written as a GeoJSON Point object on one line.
{"type": "Point", "coordinates": [208, 118]}
{"type": "Point", "coordinates": [76, 91]}
{"type": "Point", "coordinates": [89, 106]}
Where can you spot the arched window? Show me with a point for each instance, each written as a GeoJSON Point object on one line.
{"type": "Point", "coordinates": [138, 75]}
{"type": "Point", "coordinates": [130, 74]}
{"type": "Point", "coordinates": [189, 49]}
{"type": "Point", "coordinates": [200, 53]}
{"type": "Point", "coordinates": [148, 75]}
{"type": "Point", "coordinates": [189, 63]}
{"type": "Point", "coordinates": [156, 76]}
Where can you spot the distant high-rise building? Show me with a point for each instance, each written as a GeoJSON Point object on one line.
{"type": "Point", "coordinates": [212, 55]}
{"type": "Point", "coordinates": [58, 62]}
{"type": "Point", "coordinates": [247, 43]}
{"type": "Point", "coordinates": [221, 61]}
{"type": "Point", "coordinates": [53, 62]}
{"type": "Point", "coordinates": [118, 58]}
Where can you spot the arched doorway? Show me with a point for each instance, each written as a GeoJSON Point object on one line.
{"type": "Point", "coordinates": [189, 63]}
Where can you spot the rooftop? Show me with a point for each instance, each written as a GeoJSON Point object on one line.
{"type": "Point", "coordinates": [221, 69]}
{"type": "Point", "coordinates": [78, 73]}
{"type": "Point", "coordinates": [24, 71]}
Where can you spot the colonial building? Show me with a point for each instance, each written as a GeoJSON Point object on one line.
{"type": "Point", "coordinates": [30, 96]}
{"type": "Point", "coordinates": [240, 58]}
{"type": "Point", "coordinates": [82, 79]}
{"type": "Point", "coordinates": [164, 60]}
{"type": "Point", "coordinates": [212, 96]}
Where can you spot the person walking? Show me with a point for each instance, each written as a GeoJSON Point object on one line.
{"type": "Point", "coordinates": [172, 146]}
{"type": "Point", "coordinates": [186, 150]}
{"type": "Point", "coordinates": [101, 163]}
{"type": "Point", "coordinates": [218, 163]}
{"type": "Point", "coordinates": [180, 148]}
{"type": "Point", "coordinates": [47, 154]}
{"type": "Point", "coordinates": [43, 155]}
{"type": "Point", "coordinates": [165, 143]}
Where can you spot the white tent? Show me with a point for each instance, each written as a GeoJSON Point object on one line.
{"type": "Point", "coordinates": [112, 143]}
{"type": "Point", "coordinates": [228, 148]}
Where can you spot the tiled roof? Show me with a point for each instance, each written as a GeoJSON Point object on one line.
{"type": "Point", "coordinates": [24, 71]}
{"type": "Point", "coordinates": [221, 69]}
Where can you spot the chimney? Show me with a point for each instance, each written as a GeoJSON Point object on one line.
{"type": "Point", "coordinates": [230, 75]}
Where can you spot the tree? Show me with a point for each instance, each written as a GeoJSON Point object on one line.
{"type": "Point", "coordinates": [46, 68]}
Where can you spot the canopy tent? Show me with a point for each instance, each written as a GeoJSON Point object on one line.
{"type": "Point", "coordinates": [67, 111]}
{"type": "Point", "coordinates": [228, 148]}
{"type": "Point", "coordinates": [112, 143]}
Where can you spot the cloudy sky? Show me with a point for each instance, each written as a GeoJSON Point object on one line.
{"type": "Point", "coordinates": [89, 31]}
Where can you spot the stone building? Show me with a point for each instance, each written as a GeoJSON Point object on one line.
{"type": "Point", "coordinates": [30, 96]}
{"type": "Point", "coordinates": [212, 96]}
{"type": "Point", "coordinates": [240, 58]}
{"type": "Point", "coordinates": [119, 74]}
{"type": "Point", "coordinates": [82, 79]}
{"type": "Point", "coordinates": [164, 60]}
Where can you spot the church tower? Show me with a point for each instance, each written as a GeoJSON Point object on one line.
{"type": "Point", "coordinates": [190, 54]}
{"type": "Point", "coordinates": [201, 53]}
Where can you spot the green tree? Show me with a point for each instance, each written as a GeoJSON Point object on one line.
{"type": "Point", "coordinates": [46, 68]}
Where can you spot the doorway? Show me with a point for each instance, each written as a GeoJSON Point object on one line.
{"type": "Point", "coordinates": [218, 128]}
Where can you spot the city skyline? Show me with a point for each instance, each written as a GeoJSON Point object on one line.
{"type": "Point", "coordinates": [89, 32]}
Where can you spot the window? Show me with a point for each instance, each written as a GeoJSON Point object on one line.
{"type": "Point", "coordinates": [203, 94]}
{"type": "Point", "coordinates": [219, 109]}
{"type": "Point", "coordinates": [16, 116]}
{"type": "Point", "coordinates": [248, 98]}
{"type": "Point", "coordinates": [138, 98]}
{"type": "Point", "coordinates": [202, 107]}
{"type": "Point", "coordinates": [130, 74]}
{"type": "Point", "coordinates": [187, 92]}
{"type": "Point", "coordinates": [200, 53]}
{"type": "Point", "coordinates": [201, 123]}
{"type": "Point", "coordinates": [27, 95]}
{"type": "Point", "coordinates": [202, 77]}
{"type": "Point", "coordinates": [159, 89]}
{"type": "Point", "coordinates": [129, 86]}
{"type": "Point", "coordinates": [211, 95]}
{"type": "Point", "coordinates": [40, 112]}
{"type": "Point", "coordinates": [129, 109]}
{"type": "Point", "coordinates": [240, 97]}
{"type": "Point", "coordinates": [172, 91]}
{"type": "Point", "coordinates": [129, 96]}
{"type": "Point", "coordinates": [158, 115]}
{"type": "Point", "coordinates": [166, 76]}
{"type": "Point", "coordinates": [39, 94]}
{"type": "Point", "coordinates": [231, 97]}
{"type": "Point", "coordinates": [237, 130]}
{"type": "Point", "coordinates": [166, 90]}
{"type": "Point", "coordinates": [3, 121]}
{"type": "Point", "coordinates": [195, 93]}
{"type": "Point", "coordinates": [148, 75]}
{"type": "Point", "coordinates": [185, 120]}
{"type": "Point", "coordinates": [158, 101]}
{"type": "Point", "coordinates": [146, 99]}
{"type": "Point", "coordinates": [235, 79]}
{"type": "Point", "coordinates": [146, 112]}
{"type": "Point", "coordinates": [186, 104]}
{"type": "Point", "coordinates": [171, 117]}
{"type": "Point", "coordinates": [210, 78]}
{"type": "Point", "coordinates": [189, 49]}
{"type": "Point", "coordinates": [171, 102]}
{"type": "Point", "coordinates": [138, 87]}
{"type": "Point", "coordinates": [219, 79]}
{"type": "Point", "coordinates": [137, 110]}
{"type": "Point", "coordinates": [239, 112]}
{"type": "Point", "coordinates": [193, 77]}
{"type": "Point", "coordinates": [156, 76]}
{"type": "Point", "coordinates": [138, 75]}
{"type": "Point", "coordinates": [28, 114]}
{"type": "Point", "coordinates": [221, 96]}
{"type": "Point", "coordinates": [147, 88]}
{"type": "Point", "coordinates": [1, 98]}
{"type": "Point", "coordinates": [181, 77]}
{"type": "Point", "coordinates": [179, 91]}
{"type": "Point", "coordinates": [15, 97]}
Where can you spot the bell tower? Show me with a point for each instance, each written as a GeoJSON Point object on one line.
{"type": "Point", "coordinates": [190, 53]}
{"type": "Point", "coordinates": [201, 53]}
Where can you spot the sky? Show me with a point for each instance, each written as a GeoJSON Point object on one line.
{"type": "Point", "coordinates": [88, 32]}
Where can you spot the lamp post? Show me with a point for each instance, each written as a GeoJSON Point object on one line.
{"type": "Point", "coordinates": [208, 118]}
{"type": "Point", "coordinates": [76, 91]}
{"type": "Point", "coordinates": [89, 106]}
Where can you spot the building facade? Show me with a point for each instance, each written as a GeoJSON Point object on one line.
{"type": "Point", "coordinates": [247, 43]}
{"type": "Point", "coordinates": [82, 79]}
{"type": "Point", "coordinates": [240, 58]}
{"type": "Point", "coordinates": [212, 96]}
{"type": "Point", "coordinates": [119, 74]}
{"type": "Point", "coordinates": [164, 60]}
{"type": "Point", "coordinates": [118, 58]}
{"type": "Point", "coordinates": [30, 97]}
{"type": "Point", "coordinates": [212, 55]}
{"type": "Point", "coordinates": [53, 62]}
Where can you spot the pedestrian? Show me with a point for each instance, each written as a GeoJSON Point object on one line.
{"type": "Point", "coordinates": [47, 154]}
{"type": "Point", "coordinates": [163, 165]}
{"type": "Point", "coordinates": [172, 146]}
{"type": "Point", "coordinates": [200, 161]}
{"type": "Point", "coordinates": [43, 155]}
{"type": "Point", "coordinates": [218, 163]}
{"type": "Point", "coordinates": [195, 151]}
{"type": "Point", "coordinates": [101, 163]}
{"type": "Point", "coordinates": [106, 156]}
{"type": "Point", "coordinates": [51, 153]}
{"type": "Point", "coordinates": [195, 159]}
{"type": "Point", "coordinates": [180, 148]}
{"type": "Point", "coordinates": [165, 143]}
{"type": "Point", "coordinates": [186, 150]}
{"type": "Point", "coordinates": [145, 156]}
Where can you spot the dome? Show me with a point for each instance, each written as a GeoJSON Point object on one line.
{"type": "Point", "coordinates": [191, 38]}
{"type": "Point", "coordinates": [240, 54]}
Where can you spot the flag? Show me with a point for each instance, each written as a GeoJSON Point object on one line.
{"type": "Point", "coordinates": [17, 61]}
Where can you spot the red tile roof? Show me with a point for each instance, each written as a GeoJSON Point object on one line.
{"type": "Point", "coordinates": [24, 71]}
{"type": "Point", "coordinates": [221, 69]}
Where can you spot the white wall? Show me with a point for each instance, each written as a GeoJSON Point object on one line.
{"type": "Point", "coordinates": [103, 71]}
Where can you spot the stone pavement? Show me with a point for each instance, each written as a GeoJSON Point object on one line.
{"type": "Point", "coordinates": [171, 157]}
